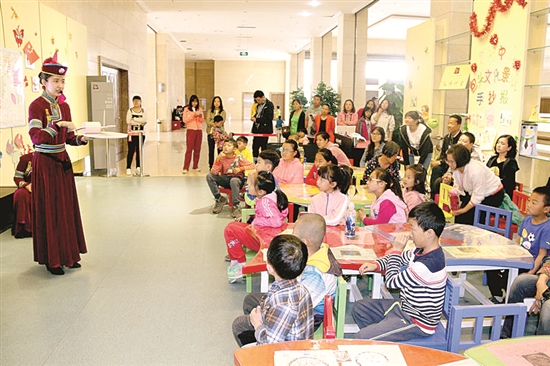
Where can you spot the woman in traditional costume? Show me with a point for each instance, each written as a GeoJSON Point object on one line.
{"type": "Point", "coordinates": [58, 237]}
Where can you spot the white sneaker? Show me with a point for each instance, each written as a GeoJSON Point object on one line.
{"type": "Point", "coordinates": [185, 171]}
{"type": "Point", "coordinates": [197, 170]}
{"type": "Point", "coordinates": [128, 171]}
{"type": "Point", "coordinates": [138, 171]}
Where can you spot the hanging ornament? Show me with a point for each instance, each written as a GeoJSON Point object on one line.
{"type": "Point", "coordinates": [517, 64]}
{"type": "Point", "coordinates": [494, 39]}
{"type": "Point", "coordinates": [473, 67]}
{"type": "Point", "coordinates": [497, 5]}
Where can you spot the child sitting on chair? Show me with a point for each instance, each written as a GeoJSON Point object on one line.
{"type": "Point", "coordinates": [242, 148]}
{"type": "Point", "coordinates": [285, 312]}
{"type": "Point", "coordinates": [533, 235]}
{"type": "Point", "coordinates": [271, 210]}
{"type": "Point", "coordinates": [228, 172]}
{"type": "Point", "coordinates": [320, 276]}
{"type": "Point", "coordinates": [418, 311]}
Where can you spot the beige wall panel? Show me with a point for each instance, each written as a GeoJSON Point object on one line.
{"type": "Point", "coordinates": [232, 78]}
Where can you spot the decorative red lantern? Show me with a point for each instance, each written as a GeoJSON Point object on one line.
{"type": "Point", "coordinates": [494, 39]}
{"type": "Point", "coordinates": [473, 67]}
{"type": "Point", "coordinates": [517, 64]}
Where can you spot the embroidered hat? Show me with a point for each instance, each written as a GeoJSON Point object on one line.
{"type": "Point", "coordinates": [52, 67]}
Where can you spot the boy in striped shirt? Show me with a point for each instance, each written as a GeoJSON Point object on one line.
{"type": "Point", "coordinates": [422, 282]}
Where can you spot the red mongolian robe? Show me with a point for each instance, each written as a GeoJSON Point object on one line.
{"type": "Point", "coordinates": [58, 237]}
{"type": "Point", "coordinates": [22, 226]}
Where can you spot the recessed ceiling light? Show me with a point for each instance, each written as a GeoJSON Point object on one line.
{"type": "Point", "coordinates": [305, 14]}
{"type": "Point", "coordinates": [314, 3]}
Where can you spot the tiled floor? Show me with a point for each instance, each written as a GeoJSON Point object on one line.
{"type": "Point", "coordinates": [152, 288]}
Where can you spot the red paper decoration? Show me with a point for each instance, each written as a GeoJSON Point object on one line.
{"type": "Point", "coordinates": [497, 5]}
{"type": "Point", "coordinates": [517, 64]}
{"type": "Point", "coordinates": [494, 39]}
{"type": "Point", "coordinates": [473, 67]}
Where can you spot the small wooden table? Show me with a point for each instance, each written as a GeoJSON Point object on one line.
{"type": "Point", "coordinates": [413, 355]}
{"type": "Point", "coordinates": [513, 352]}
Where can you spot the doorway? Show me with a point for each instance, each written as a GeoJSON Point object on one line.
{"type": "Point", "coordinates": [278, 99]}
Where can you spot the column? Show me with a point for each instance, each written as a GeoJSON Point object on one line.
{"type": "Point", "coordinates": [346, 56]}
{"type": "Point", "coordinates": [316, 55]}
{"type": "Point", "coordinates": [327, 59]}
{"type": "Point", "coordinates": [359, 96]}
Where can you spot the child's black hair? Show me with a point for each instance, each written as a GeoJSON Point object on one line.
{"type": "Point", "coordinates": [218, 118]}
{"type": "Point", "coordinates": [232, 142]}
{"type": "Point", "coordinates": [266, 182]}
{"type": "Point", "coordinates": [270, 156]}
{"type": "Point", "coordinates": [294, 147]}
{"type": "Point", "coordinates": [544, 191]}
{"type": "Point", "coordinates": [391, 183]}
{"type": "Point", "coordinates": [303, 130]}
{"type": "Point", "coordinates": [287, 254]}
{"type": "Point", "coordinates": [419, 177]}
{"type": "Point", "coordinates": [327, 155]}
{"type": "Point", "coordinates": [243, 139]}
{"type": "Point", "coordinates": [339, 174]}
{"type": "Point", "coordinates": [428, 215]}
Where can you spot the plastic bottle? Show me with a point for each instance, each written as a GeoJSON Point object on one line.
{"type": "Point", "coordinates": [351, 217]}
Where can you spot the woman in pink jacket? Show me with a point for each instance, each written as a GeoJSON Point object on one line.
{"type": "Point", "coordinates": [193, 118]}
{"type": "Point", "coordinates": [323, 142]}
{"type": "Point", "coordinates": [333, 201]}
{"type": "Point", "coordinates": [290, 169]}
{"type": "Point", "coordinates": [347, 117]}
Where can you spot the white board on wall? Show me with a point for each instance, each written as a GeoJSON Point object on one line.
{"type": "Point", "coordinates": [12, 93]}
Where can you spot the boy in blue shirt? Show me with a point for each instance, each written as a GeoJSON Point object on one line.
{"type": "Point", "coordinates": [533, 235]}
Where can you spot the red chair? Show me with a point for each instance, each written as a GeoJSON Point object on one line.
{"type": "Point", "coordinates": [227, 191]}
{"type": "Point", "coordinates": [519, 187]}
{"type": "Point", "coordinates": [520, 199]}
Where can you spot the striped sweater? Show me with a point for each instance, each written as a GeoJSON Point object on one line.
{"type": "Point", "coordinates": [422, 284]}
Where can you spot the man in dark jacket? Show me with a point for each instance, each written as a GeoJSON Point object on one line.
{"type": "Point", "coordinates": [262, 122]}
{"type": "Point", "coordinates": [439, 167]}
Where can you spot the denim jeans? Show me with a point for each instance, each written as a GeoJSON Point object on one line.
{"type": "Point", "coordinates": [524, 286]}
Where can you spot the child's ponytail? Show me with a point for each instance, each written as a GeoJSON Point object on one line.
{"type": "Point", "coordinates": [266, 182]}
{"type": "Point", "coordinates": [391, 183]}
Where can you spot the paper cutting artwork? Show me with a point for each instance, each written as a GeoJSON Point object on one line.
{"type": "Point", "coordinates": [305, 358]}
{"type": "Point", "coordinates": [379, 355]}
{"type": "Point", "coordinates": [353, 252]}
{"type": "Point", "coordinates": [12, 89]}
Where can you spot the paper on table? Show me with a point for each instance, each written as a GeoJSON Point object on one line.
{"type": "Point", "coordinates": [351, 252]}
{"type": "Point", "coordinates": [375, 355]}
{"type": "Point", "coordinates": [528, 353]}
{"type": "Point", "coordinates": [466, 362]}
{"type": "Point", "coordinates": [299, 358]}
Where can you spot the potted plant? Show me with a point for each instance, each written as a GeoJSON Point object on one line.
{"type": "Point", "coordinates": [328, 96]}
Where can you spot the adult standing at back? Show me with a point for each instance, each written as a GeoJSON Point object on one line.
{"type": "Point", "coordinates": [324, 122]}
{"type": "Point", "coordinates": [216, 109]}
{"type": "Point", "coordinates": [385, 119]}
{"type": "Point", "coordinates": [415, 140]}
{"type": "Point", "coordinates": [439, 166]}
{"type": "Point", "coordinates": [347, 117]}
{"type": "Point", "coordinates": [135, 118]}
{"type": "Point", "coordinates": [262, 122]}
{"type": "Point", "coordinates": [297, 118]}
{"type": "Point", "coordinates": [193, 117]}
{"type": "Point", "coordinates": [311, 113]}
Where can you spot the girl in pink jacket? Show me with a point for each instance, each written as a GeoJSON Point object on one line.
{"type": "Point", "coordinates": [271, 210]}
{"type": "Point", "coordinates": [333, 181]}
{"type": "Point", "coordinates": [414, 184]}
{"type": "Point", "coordinates": [388, 207]}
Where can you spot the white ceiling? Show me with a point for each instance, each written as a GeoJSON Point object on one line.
{"type": "Point", "coordinates": [271, 29]}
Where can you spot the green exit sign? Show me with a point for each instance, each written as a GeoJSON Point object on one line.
{"type": "Point", "coordinates": [243, 53]}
